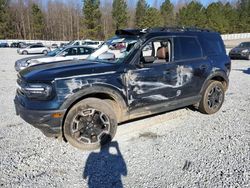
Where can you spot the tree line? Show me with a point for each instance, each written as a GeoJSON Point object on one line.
{"type": "Point", "coordinates": [57, 20]}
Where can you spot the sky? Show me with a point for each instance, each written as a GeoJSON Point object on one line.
{"type": "Point", "coordinates": [133, 2]}
{"type": "Point", "coordinates": [204, 2]}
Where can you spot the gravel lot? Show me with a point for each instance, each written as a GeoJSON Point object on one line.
{"type": "Point", "coordinates": [182, 148]}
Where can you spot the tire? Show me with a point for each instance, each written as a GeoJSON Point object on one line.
{"type": "Point", "coordinates": [212, 98]}
{"type": "Point", "coordinates": [45, 52]}
{"type": "Point", "coordinates": [81, 130]}
{"type": "Point", "coordinates": [24, 52]}
{"type": "Point", "coordinates": [248, 57]}
{"type": "Point", "coordinates": [115, 107]}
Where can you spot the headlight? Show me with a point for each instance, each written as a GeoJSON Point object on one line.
{"type": "Point", "coordinates": [37, 91]}
{"type": "Point", "coordinates": [244, 51]}
{"type": "Point", "coordinates": [24, 64]}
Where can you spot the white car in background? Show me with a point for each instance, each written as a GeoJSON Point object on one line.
{"type": "Point", "coordinates": [60, 54]}
{"type": "Point", "coordinates": [34, 49]}
{"type": "Point", "coordinates": [87, 42]}
{"type": "Point", "coordinates": [92, 43]}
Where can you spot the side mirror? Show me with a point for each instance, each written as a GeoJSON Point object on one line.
{"type": "Point", "coordinates": [107, 56]}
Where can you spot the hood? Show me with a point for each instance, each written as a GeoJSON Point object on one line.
{"type": "Point", "coordinates": [239, 49]}
{"type": "Point", "coordinates": [44, 59]}
{"type": "Point", "coordinates": [49, 71]}
{"type": "Point", "coordinates": [32, 57]}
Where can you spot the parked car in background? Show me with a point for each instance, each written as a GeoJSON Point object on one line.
{"type": "Point", "coordinates": [22, 45]}
{"type": "Point", "coordinates": [63, 44]}
{"type": "Point", "coordinates": [241, 51]}
{"type": "Point", "coordinates": [87, 42]}
{"type": "Point", "coordinates": [24, 62]}
{"type": "Point", "coordinates": [14, 45]}
{"type": "Point", "coordinates": [60, 54]}
{"type": "Point", "coordinates": [34, 49]}
{"type": "Point", "coordinates": [54, 46]}
{"type": "Point", "coordinates": [4, 45]}
{"type": "Point", "coordinates": [94, 44]}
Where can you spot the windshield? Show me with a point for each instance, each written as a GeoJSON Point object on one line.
{"type": "Point", "coordinates": [114, 50]}
{"type": "Point", "coordinates": [244, 44]}
{"type": "Point", "coordinates": [55, 52]}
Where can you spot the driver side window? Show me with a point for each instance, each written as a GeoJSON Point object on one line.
{"type": "Point", "coordinates": [70, 52]}
{"type": "Point", "coordinates": [156, 51]}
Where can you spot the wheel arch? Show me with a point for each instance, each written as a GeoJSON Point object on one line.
{"type": "Point", "coordinates": [217, 76]}
{"type": "Point", "coordinates": [100, 92]}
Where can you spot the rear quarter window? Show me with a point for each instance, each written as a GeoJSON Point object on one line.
{"type": "Point", "coordinates": [186, 48]}
{"type": "Point", "coordinates": [212, 45]}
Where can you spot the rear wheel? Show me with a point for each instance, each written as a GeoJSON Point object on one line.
{"type": "Point", "coordinates": [90, 124]}
{"type": "Point", "coordinates": [45, 52]}
{"type": "Point", "coordinates": [213, 98]}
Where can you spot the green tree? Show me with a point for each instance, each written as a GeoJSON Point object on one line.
{"type": "Point", "coordinates": [217, 19]}
{"type": "Point", "coordinates": [231, 14]}
{"type": "Point", "coordinates": [120, 13]}
{"type": "Point", "coordinates": [167, 12]}
{"type": "Point", "coordinates": [92, 19]}
{"type": "Point", "coordinates": [152, 18]}
{"type": "Point", "coordinates": [192, 15]}
{"type": "Point", "coordinates": [38, 25]}
{"type": "Point", "coordinates": [244, 15]}
{"type": "Point", "coordinates": [3, 18]}
{"type": "Point", "coordinates": [140, 12]}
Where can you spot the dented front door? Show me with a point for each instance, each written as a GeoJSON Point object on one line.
{"type": "Point", "coordinates": [155, 84]}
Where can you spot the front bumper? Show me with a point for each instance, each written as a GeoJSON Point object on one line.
{"type": "Point", "coordinates": [43, 120]}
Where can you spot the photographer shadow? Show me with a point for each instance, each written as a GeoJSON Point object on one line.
{"type": "Point", "coordinates": [105, 168]}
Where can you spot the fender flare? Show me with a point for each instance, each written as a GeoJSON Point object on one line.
{"type": "Point", "coordinates": [214, 75]}
{"type": "Point", "coordinates": [83, 93]}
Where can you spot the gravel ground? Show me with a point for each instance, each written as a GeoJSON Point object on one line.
{"type": "Point", "coordinates": [182, 148]}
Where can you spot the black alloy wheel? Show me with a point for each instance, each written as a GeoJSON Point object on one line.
{"type": "Point", "coordinates": [90, 124]}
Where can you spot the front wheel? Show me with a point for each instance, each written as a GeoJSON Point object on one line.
{"type": "Point", "coordinates": [25, 53]}
{"type": "Point", "coordinates": [212, 98]}
{"type": "Point", "coordinates": [90, 123]}
{"type": "Point", "coordinates": [45, 52]}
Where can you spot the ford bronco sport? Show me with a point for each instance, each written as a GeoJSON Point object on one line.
{"type": "Point", "coordinates": [134, 74]}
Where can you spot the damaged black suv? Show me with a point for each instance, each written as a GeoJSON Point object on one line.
{"type": "Point", "coordinates": [134, 74]}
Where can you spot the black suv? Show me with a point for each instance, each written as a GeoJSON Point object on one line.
{"type": "Point", "coordinates": [134, 74]}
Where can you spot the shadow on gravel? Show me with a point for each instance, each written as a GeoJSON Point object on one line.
{"type": "Point", "coordinates": [105, 168]}
{"type": "Point", "coordinates": [246, 71]}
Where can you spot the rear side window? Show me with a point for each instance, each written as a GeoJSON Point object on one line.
{"type": "Point", "coordinates": [186, 48]}
{"type": "Point", "coordinates": [36, 46]}
{"type": "Point", "coordinates": [213, 45]}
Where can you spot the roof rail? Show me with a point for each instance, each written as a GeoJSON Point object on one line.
{"type": "Point", "coordinates": [177, 29]}
{"type": "Point", "coordinates": [159, 29]}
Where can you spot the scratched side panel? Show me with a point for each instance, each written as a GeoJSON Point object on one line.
{"type": "Point", "coordinates": [148, 86]}
{"type": "Point", "coordinates": [67, 87]}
